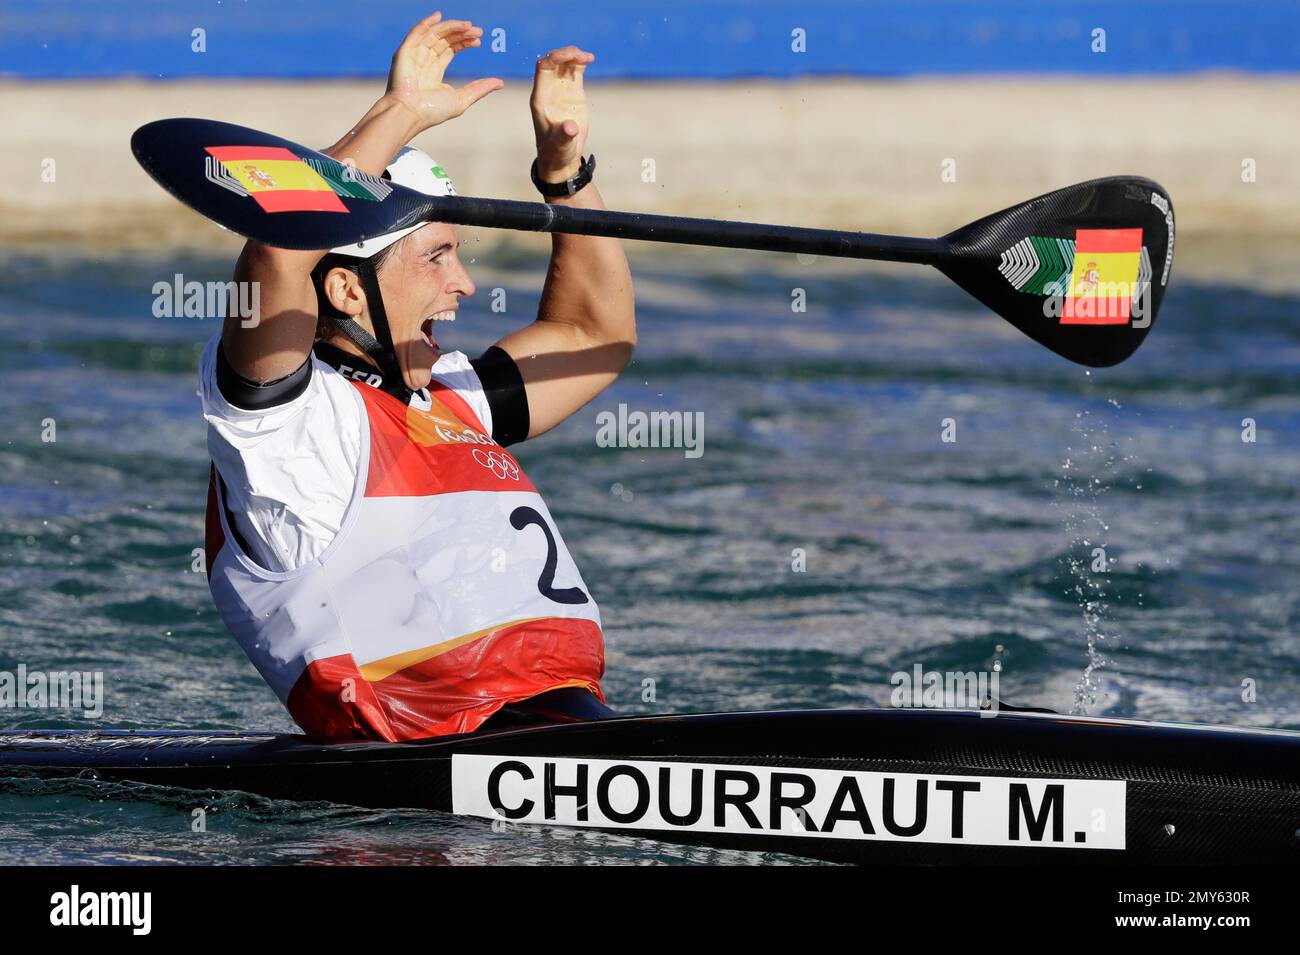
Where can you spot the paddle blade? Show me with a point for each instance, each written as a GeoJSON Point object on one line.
{"type": "Point", "coordinates": [1082, 270]}
{"type": "Point", "coordinates": [270, 189]}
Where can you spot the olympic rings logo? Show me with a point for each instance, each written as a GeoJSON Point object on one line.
{"type": "Point", "coordinates": [498, 462]}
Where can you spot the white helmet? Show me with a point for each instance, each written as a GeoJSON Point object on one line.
{"type": "Point", "coordinates": [415, 169]}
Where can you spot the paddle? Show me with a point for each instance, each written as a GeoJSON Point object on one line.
{"type": "Point", "coordinates": [1081, 270]}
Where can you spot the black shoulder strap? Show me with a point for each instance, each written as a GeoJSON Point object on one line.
{"type": "Point", "coordinates": [256, 396]}
{"type": "Point", "coordinates": [506, 395]}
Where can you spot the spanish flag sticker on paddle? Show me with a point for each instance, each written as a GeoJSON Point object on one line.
{"type": "Point", "coordinates": [1104, 278]}
{"type": "Point", "coordinates": [277, 180]}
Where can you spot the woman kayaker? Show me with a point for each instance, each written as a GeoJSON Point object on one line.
{"type": "Point", "coordinates": [372, 544]}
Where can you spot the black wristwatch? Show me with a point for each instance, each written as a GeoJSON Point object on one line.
{"type": "Point", "coordinates": [552, 190]}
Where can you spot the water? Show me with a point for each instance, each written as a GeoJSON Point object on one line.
{"type": "Point", "coordinates": [823, 433]}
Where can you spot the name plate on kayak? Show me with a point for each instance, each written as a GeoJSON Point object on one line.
{"type": "Point", "coordinates": [800, 803]}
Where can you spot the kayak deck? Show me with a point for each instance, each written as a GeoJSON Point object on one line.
{"type": "Point", "coordinates": [899, 785]}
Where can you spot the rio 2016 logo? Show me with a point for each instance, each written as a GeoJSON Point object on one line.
{"type": "Point", "coordinates": [464, 436]}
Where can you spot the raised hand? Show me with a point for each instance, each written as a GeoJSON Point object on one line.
{"type": "Point", "coordinates": [559, 105]}
{"type": "Point", "coordinates": [416, 77]}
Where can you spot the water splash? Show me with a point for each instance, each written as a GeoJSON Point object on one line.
{"type": "Point", "coordinates": [1088, 471]}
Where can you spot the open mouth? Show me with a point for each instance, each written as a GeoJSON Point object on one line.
{"type": "Point", "coordinates": [426, 327]}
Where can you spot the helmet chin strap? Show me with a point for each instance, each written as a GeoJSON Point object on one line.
{"type": "Point", "coordinates": [379, 347]}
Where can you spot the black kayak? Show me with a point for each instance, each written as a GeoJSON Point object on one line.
{"type": "Point", "coordinates": [867, 786]}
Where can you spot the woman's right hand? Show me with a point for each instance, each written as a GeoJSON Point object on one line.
{"type": "Point", "coordinates": [415, 79]}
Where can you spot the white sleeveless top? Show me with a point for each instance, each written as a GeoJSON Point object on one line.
{"type": "Point", "coordinates": [406, 587]}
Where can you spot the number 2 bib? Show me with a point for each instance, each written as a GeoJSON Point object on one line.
{"type": "Point", "coordinates": [447, 593]}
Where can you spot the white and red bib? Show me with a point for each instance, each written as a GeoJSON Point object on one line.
{"type": "Point", "coordinates": [446, 594]}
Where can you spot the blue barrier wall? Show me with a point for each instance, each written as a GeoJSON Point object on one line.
{"type": "Point", "coordinates": [673, 39]}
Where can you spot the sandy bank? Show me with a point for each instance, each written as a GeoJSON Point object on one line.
{"type": "Point", "coordinates": [862, 154]}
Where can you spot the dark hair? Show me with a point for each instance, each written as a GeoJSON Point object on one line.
{"type": "Point", "coordinates": [325, 311]}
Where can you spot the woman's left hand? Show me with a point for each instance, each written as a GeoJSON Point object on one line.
{"type": "Point", "coordinates": [559, 105]}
